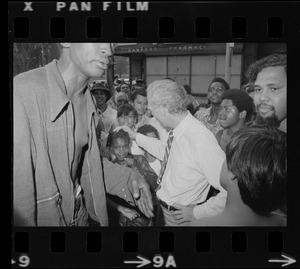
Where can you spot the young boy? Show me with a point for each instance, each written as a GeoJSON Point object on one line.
{"type": "Point", "coordinates": [236, 110]}
{"type": "Point", "coordinates": [150, 131]}
{"type": "Point", "coordinates": [127, 116]}
{"type": "Point", "coordinates": [254, 176]}
{"type": "Point", "coordinates": [118, 144]}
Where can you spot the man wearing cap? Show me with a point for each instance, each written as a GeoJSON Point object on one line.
{"type": "Point", "coordinates": [108, 115]}
{"type": "Point", "coordinates": [58, 178]}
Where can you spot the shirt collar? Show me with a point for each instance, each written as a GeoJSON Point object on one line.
{"type": "Point", "coordinates": [181, 127]}
{"type": "Point", "coordinates": [57, 90]}
{"type": "Point", "coordinates": [58, 93]}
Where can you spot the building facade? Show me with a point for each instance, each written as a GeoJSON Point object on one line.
{"type": "Point", "coordinates": [195, 64]}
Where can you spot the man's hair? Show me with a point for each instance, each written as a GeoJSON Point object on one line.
{"type": "Point", "coordinates": [169, 78]}
{"type": "Point", "coordinates": [147, 128]}
{"type": "Point", "coordinates": [138, 91]}
{"type": "Point", "coordinates": [241, 100]}
{"type": "Point", "coordinates": [121, 95]}
{"type": "Point", "coordinates": [220, 80]}
{"type": "Point", "coordinates": [169, 94]}
{"type": "Point", "coordinates": [113, 135]}
{"type": "Point", "coordinates": [138, 86]}
{"type": "Point", "coordinates": [125, 109]}
{"type": "Point", "coordinates": [269, 61]}
{"type": "Point", "coordinates": [256, 156]}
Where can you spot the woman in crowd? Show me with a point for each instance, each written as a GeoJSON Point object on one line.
{"type": "Point", "coordinates": [139, 101]}
{"type": "Point", "coordinates": [127, 116]}
{"type": "Point", "coordinates": [209, 116]}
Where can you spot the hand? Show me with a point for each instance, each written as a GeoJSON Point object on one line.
{"type": "Point", "coordinates": [129, 161]}
{"type": "Point", "coordinates": [142, 195]}
{"type": "Point", "coordinates": [129, 213]}
{"type": "Point", "coordinates": [184, 213]}
{"type": "Point", "coordinates": [132, 134]}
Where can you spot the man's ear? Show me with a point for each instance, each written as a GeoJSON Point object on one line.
{"type": "Point", "coordinates": [243, 114]}
{"type": "Point", "coordinates": [231, 176]}
{"type": "Point", "coordinates": [164, 110]}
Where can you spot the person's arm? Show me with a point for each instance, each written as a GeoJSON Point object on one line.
{"type": "Point", "coordinates": [24, 201]}
{"type": "Point", "coordinates": [127, 212]}
{"type": "Point", "coordinates": [210, 158]}
{"type": "Point", "coordinates": [146, 170]}
{"type": "Point", "coordinates": [129, 185]}
{"type": "Point", "coordinates": [154, 146]}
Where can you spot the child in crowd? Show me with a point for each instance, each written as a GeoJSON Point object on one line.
{"type": "Point", "coordinates": [209, 116]}
{"type": "Point", "coordinates": [118, 99]}
{"type": "Point", "coordinates": [118, 143]}
{"type": "Point", "coordinates": [254, 175]}
{"type": "Point", "coordinates": [139, 101]}
{"type": "Point", "coordinates": [151, 131]}
{"type": "Point", "coordinates": [236, 110]}
{"type": "Point", "coordinates": [127, 116]}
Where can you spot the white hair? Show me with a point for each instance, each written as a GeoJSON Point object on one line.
{"type": "Point", "coordinates": [169, 94]}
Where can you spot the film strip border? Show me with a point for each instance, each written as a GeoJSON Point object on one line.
{"type": "Point", "coordinates": [176, 22]}
{"type": "Point", "coordinates": [139, 247]}
{"type": "Point", "coordinates": [151, 21]}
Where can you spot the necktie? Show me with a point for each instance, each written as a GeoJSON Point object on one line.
{"type": "Point", "coordinates": [165, 160]}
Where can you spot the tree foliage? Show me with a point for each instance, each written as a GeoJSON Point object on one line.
{"type": "Point", "coordinates": [28, 56]}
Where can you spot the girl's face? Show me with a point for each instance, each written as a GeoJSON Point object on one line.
{"type": "Point", "coordinates": [140, 104]}
{"type": "Point", "coordinates": [128, 120]}
{"type": "Point", "coordinates": [214, 92]}
{"type": "Point", "coordinates": [120, 148]}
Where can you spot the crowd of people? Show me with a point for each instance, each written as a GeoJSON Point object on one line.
{"type": "Point", "coordinates": [147, 155]}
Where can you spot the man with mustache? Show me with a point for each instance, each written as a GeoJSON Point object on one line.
{"type": "Point", "coordinates": [58, 178]}
{"type": "Point", "coordinates": [268, 77]}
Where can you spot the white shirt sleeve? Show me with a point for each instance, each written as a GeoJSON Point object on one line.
{"type": "Point", "coordinates": [154, 146]}
{"type": "Point", "coordinates": [210, 159]}
{"type": "Point", "coordinates": [214, 206]}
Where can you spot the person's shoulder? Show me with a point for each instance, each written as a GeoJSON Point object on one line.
{"type": "Point", "coordinates": [30, 84]}
{"type": "Point", "coordinates": [28, 76]}
{"type": "Point", "coordinates": [140, 158]}
{"type": "Point", "coordinates": [201, 113]}
{"type": "Point", "coordinates": [111, 111]}
{"type": "Point", "coordinates": [277, 218]}
{"type": "Point", "coordinates": [219, 134]}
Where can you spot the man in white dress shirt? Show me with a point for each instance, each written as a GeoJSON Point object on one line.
{"type": "Point", "coordinates": [195, 158]}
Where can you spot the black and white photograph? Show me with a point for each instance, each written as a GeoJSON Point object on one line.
{"type": "Point", "coordinates": [153, 134]}
{"type": "Point", "coordinates": [150, 134]}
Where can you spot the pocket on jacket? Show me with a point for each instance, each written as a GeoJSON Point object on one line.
{"type": "Point", "coordinates": [49, 211]}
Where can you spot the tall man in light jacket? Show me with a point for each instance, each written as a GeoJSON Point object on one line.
{"type": "Point", "coordinates": [58, 176]}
